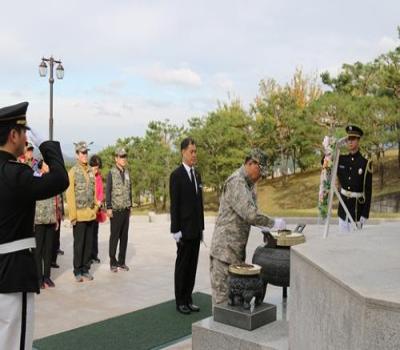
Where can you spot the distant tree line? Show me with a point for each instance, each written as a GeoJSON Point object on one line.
{"type": "Point", "coordinates": [287, 121]}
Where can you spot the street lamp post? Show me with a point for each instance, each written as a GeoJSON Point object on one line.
{"type": "Point", "coordinates": [60, 75]}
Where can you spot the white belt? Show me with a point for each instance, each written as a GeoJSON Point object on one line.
{"type": "Point", "coordinates": [16, 246]}
{"type": "Point", "coordinates": [350, 194]}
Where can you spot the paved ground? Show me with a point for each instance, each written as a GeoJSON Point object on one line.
{"type": "Point", "coordinates": [151, 256]}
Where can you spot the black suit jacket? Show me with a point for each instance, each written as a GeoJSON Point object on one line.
{"type": "Point", "coordinates": [19, 191]}
{"type": "Point", "coordinates": [187, 213]}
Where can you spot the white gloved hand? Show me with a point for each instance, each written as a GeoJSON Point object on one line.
{"type": "Point", "coordinates": [280, 224]}
{"type": "Point", "coordinates": [363, 221]}
{"type": "Point", "coordinates": [35, 138]}
{"type": "Point", "coordinates": [177, 236]}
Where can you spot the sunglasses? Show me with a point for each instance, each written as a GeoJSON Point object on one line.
{"type": "Point", "coordinates": [83, 152]}
{"type": "Point", "coordinates": [123, 157]}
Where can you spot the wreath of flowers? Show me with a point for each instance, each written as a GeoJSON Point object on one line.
{"type": "Point", "coordinates": [329, 146]}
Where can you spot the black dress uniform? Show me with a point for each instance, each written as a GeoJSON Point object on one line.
{"type": "Point", "coordinates": [355, 177]}
{"type": "Point", "coordinates": [19, 190]}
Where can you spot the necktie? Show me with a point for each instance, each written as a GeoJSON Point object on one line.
{"type": "Point", "coordinates": [193, 180]}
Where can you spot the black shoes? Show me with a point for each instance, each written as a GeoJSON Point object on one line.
{"type": "Point", "coordinates": [55, 265]}
{"type": "Point", "coordinates": [183, 309]}
{"type": "Point", "coordinates": [48, 283]}
{"type": "Point", "coordinates": [193, 307]}
{"type": "Point", "coordinates": [123, 267]}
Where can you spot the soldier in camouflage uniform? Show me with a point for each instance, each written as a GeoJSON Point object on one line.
{"type": "Point", "coordinates": [45, 228]}
{"type": "Point", "coordinates": [119, 203]}
{"type": "Point", "coordinates": [82, 209]}
{"type": "Point", "coordinates": [238, 211]}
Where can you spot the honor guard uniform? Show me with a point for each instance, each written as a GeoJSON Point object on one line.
{"type": "Point", "coordinates": [19, 190]}
{"type": "Point", "coordinates": [355, 179]}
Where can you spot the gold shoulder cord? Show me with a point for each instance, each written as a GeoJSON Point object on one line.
{"type": "Point", "coordinates": [368, 168]}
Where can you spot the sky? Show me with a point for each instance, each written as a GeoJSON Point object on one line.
{"type": "Point", "coordinates": [130, 62]}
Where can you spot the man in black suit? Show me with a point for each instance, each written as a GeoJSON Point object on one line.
{"type": "Point", "coordinates": [187, 224]}
{"type": "Point", "coordinates": [19, 191]}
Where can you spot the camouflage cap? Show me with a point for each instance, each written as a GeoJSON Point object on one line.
{"type": "Point", "coordinates": [121, 151]}
{"type": "Point", "coordinates": [81, 146]}
{"type": "Point", "coordinates": [261, 158]}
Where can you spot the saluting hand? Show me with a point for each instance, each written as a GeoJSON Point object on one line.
{"type": "Point", "coordinates": [34, 136]}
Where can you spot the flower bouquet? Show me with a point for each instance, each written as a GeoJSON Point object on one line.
{"type": "Point", "coordinates": [329, 145]}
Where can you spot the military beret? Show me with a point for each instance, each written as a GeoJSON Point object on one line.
{"type": "Point", "coordinates": [14, 115]}
{"type": "Point", "coordinates": [353, 130]}
{"type": "Point", "coordinates": [82, 146]}
{"type": "Point", "coordinates": [261, 158]}
{"type": "Point", "coordinates": [120, 151]}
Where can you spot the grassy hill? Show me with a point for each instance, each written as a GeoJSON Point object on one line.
{"type": "Point", "coordinates": [298, 196]}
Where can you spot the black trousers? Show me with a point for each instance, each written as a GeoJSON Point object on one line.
{"type": "Point", "coordinates": [119, 232]}
{"type": "Point", "coordinates": [187, 256]}
{"type": "Point", "coordinates": [95, 245]}
{"type": "Point", "coordinates": [44, 235]}
{"type": "Point", "coordinates": [83, 236]}
{"type": "Point", "coordinates": [56, 243]}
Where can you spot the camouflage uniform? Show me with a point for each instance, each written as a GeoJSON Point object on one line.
{"type": "Point", "coordinates": [45, 225]}
{"type": "Point", "coordinates": [119, 200]}
{"type": "Point", "coordinates": [82, 209]}
{"type": "Point", "coordinates": [121, 190]}
{"type": "Point", "coordinates": [45, 212]}
{"type": "Point", "coordinates": [237, 212]}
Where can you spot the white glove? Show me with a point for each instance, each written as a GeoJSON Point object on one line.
{"type": "Point", "coordinates": [280, 224]}
{"type": "Point", "coordinates": [35, 138]}
{"type": "Point", "coordinates": [177, 236]}
{"type": "Point", "coordinates": [363, 221]}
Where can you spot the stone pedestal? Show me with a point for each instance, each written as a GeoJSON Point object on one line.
{"type": "Point", "coordinates": [345, 291]}
{"type": "Point", "coordinates": [245, 319]}
{"type": "Point", "coordinates": [210, 335]}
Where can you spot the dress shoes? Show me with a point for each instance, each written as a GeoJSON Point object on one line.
{"type": "Point", "coordinates": [55, 265]}
{"type": "Point", "coordinates": [193, 307]}
{"type": "Point", "coordinates": [183, 309]}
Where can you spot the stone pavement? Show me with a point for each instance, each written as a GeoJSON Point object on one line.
{"type": "Point", "coordinates": [151, 256]}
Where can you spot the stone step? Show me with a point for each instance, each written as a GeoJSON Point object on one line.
{"type": "Point", "coordinates": [209, 335]}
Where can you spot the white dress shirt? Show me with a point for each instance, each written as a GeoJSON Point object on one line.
{"type": "Point", "coordinates": [187, 168]}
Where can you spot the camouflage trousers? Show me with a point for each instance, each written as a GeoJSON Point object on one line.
{"type": "Point", "coordinates": [219, 280]}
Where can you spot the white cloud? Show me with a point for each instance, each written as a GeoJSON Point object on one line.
{"type": "Point", "coordinates": [173, 76]}
{"type": "Point", "coordinates": [223, 82]}
{"type": "Point", "coordinates": [387, 43]}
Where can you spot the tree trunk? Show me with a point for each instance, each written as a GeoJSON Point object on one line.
{"type": "Point", "coordinates": [381, 170]}
{"type": "Point", "coordinates": [398, 156]}
{"type": "Point", "coordinates": [154, 198]}
{"type": "Point", "coordinates": [164, 205]}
